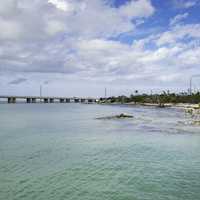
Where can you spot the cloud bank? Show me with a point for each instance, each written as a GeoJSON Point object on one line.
{"type": "Point", "coordinates": [77, 41]}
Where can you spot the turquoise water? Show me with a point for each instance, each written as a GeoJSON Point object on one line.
{"type": "Point", "coordinates": [60, 151]}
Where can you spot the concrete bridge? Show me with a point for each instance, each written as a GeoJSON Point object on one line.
{"type": "Point", "coordinates": [46, 99]}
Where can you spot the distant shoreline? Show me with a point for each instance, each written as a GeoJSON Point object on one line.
{"type": "Point", "coordinates": [184, 106]}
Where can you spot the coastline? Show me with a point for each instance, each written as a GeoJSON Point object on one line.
{"type": "Point", "coordinates": [193, 110]}
{"type": "Point", "coordinates": [184, 106]}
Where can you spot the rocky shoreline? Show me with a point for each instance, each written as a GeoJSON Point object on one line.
{"type": "Point", "coordinates": [191, 110]}
{"type": "Point", "coordinates": [165, 105]}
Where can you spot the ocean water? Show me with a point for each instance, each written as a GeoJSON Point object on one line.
{"type": "Point", "coordinates": [61, 152]}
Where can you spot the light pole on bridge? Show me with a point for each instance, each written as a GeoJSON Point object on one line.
{"type": "Point", "coordinates": [40, 93]}
{"type": "Point", "coordinates": [191, 79]}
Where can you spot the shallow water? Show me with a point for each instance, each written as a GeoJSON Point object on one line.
{"type": "Point", "coordinates": [60, 151]}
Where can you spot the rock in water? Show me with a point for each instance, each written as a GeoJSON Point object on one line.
{"type": "Point", "coordinates": [120, 116]}
{"type": "Point", "coordinates": [196, 123]}
{"type": "Point", "coordinates": [124, 115]}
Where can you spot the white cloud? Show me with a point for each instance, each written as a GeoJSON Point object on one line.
{"type": "Point", "coordinates": [8, 8]}
{"type": "Point", "coordinates": [190, 57]}
{"type": "Point", "coordinates": [40, 19]}
{"type": "Point", "coordinates": [191, 31]}
{"type": "Point", "coordinates": [142, 8]}
{"type": "Point", "coordinates": [10, 29]}
{"type": "Point", "coordinates": [62, 5]}
{"type": "Point", "coordinates": [41, 40]}
{"type": "Point", "coordinates": [189, 4]}
{"type": "Point", "coordinates": [185, 4]}
{"type": "Point", "coordinates": [178, 18]}
{"type": "Point", "coordinates": [53, 27]}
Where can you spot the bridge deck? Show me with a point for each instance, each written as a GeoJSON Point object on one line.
{"type": "Point", "coordinates": [43, 97]}
{"type": "Point", "coordinates": [46, 99]}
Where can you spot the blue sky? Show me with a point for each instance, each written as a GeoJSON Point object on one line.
{"type": "Point", "coordinates": [77, 48]}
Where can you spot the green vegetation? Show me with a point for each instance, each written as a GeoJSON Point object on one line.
{"type": "Point", "coordinates": [161, 99]}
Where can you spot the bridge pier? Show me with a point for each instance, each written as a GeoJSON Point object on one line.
{"type": "Point", "coordinates": [51, 100]}
{"type": "Point", "coordinates": [11, 100]}
{"type": "Point", "coordinates": [33, 100]}
{"type": "Point", "coordinates": [46, 100]}
{"type": "Point", "coordinates": [91, 100]}
{"type": "Point", "coordinates": [62, 100]}
{"type": "Point", "coordinates": [28, 100]}
{"type": "Point", "coordinates": [76, 100]}
{"type": "Point", "coordinates": [83, 100]}
{"type": "Point", "coordinates": [67, 100]}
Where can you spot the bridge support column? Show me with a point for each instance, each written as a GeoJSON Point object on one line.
{"type": "Point", "coordinates": [28, 100]}
{"type": "Point", "coordinates": [76, 100]}
{"type": "Point", "coordinates": [62, 100]}
{"type": "Point", "coordinates": [11, 100]}
{"type": "Point", "coordinates": [33, 100]}
{"type": "Point", "coordinates": [51, 100]}
{"type": "Point", "coordinates": [46, 100]}
{"type": "Point", "coordinates": [67, 100]}
{"type": "Point", "coordinates": [83, 100]}
{"type": "Point", "coordinates": [91, 100]}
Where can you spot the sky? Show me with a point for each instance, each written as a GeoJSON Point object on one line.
{"type": "Point", "coordinates": [80, 47]}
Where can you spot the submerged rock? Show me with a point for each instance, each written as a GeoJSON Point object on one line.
{"type": "Point", "coordinates": [196, 123]}
{"type": "Point", "coordinates": [120, 116]}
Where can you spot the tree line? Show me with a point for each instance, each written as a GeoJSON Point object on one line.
{"type": "Point", "coordinates": [163, 98]}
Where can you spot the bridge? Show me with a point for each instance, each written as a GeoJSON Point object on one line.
{"type": "Point", "coordinates": [47, 99]}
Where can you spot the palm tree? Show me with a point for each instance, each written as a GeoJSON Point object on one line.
{"type": "Point", "coordinates": [136, 91]}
